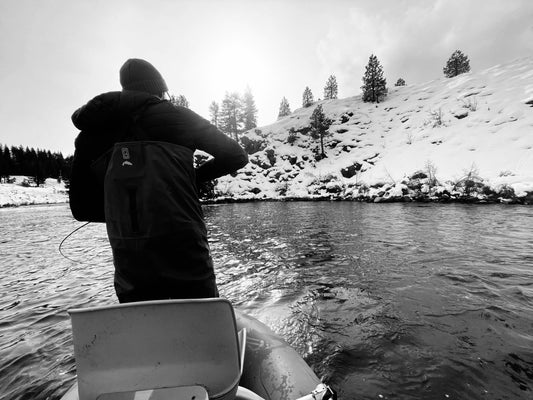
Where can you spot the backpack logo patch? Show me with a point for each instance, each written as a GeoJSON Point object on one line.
{"type": "Point", "coordinates": [126, 156]}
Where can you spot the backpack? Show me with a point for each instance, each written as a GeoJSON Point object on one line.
{"type": "Point", "coordinates": [125, 159]}
{"type": "Point", "coordinates": [150, 189]}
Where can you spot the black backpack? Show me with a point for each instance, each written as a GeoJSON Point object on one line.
{"type": "Point", "coordinates": [127, 171]}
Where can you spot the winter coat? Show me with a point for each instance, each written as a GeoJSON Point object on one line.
{"type": "Point", "coordinates": [168, 255]}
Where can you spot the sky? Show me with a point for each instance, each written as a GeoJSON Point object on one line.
{"type": "Point", "coordinates": [58, 54]}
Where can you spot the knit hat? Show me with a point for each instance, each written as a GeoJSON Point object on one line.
{"type": "Point", "coordinates": [137, 74]}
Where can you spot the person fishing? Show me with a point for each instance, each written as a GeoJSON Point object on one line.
{"type": "Point", "coordinates": [133, 169]}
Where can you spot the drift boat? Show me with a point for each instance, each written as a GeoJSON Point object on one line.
{"type": "Point", "coordinates": [197, 349]}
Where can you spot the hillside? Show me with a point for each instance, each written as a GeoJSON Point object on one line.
{"type": "Point", "coordinates": [466, 138]}
{"type": "Point", "coordinates": [18, 193]}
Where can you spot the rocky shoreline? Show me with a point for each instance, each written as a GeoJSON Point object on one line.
{"type": "Point", "coordinates": [417, 188]}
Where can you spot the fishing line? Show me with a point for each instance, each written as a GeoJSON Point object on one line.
{"type": "Point", "coordinates": [66, 237]}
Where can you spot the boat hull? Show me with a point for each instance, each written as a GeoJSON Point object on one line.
{"type": "Point", "coordinates": [272, 368]}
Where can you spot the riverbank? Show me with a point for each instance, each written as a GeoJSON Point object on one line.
{"type": "Point", "coordinates": [466, 138]}
{"type": "Point", "coordinates": [20, 193]}
{"type": "Point", "coordinates": [417, 189]}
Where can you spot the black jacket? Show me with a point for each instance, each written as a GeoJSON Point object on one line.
{"type": "Point", "coordinates": [170, 258]}
{"type": "Point", "coordinates": [103, 122]}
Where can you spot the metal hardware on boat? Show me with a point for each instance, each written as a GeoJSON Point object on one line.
{"type": "Point", "coordinates": [321, 392]}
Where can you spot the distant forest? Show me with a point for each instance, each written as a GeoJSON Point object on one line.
{"type": "Point", "coordinates": [36, 164]}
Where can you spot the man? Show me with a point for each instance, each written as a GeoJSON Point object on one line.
{"type": "Point", "coordinates": [152, 212]}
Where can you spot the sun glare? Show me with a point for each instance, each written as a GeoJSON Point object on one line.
{"type": "Point", "coordinates": [238, 65]}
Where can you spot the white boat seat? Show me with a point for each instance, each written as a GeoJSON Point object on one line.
{"type": "Point", "coordinates": [157, 349]}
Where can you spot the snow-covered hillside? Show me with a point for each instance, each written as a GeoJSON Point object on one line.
{"type": "Point", "coordinates": [466, 137]}
{"type": "Point", "coordinates": [17, 193]}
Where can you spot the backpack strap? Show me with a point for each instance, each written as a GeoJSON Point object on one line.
{"type": "Point", "coordinates": [131, 128]}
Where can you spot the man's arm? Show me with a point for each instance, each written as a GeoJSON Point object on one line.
{"type": "Point", "coordinates": [228, 155]}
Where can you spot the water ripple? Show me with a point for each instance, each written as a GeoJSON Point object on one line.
{"type": "Point", "coordinates": [384, 301]}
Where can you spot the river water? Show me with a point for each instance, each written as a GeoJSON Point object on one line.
{"type": "Point", "coordinates": [384, 301]}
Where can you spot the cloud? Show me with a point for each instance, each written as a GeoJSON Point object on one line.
{"type": "Point", "coordinates": [413, 39]}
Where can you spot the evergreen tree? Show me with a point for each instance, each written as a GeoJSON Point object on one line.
{"type": "Point", "coordinates": [374, 84]}
{"type": "Point", "coordinates": [250, 110]}
{"type": "Point", "coordinates": [37, 164]}
{"type": "Point", "coordinates": [66, 167]}
{"type": "Point", "coordinates": [457, 64]}
{"type": "Point", "coordinates": [179, 101]}
{"type": "Point", "coordinates": [319, 127]}
{"type": "Point", "coordinates": [400, 82]}
{"type": "Point", "coordinates": [4, 163]}
{"type": "Point", "coordinates": [307, 98]}
{"type": "Point", "coordinates": [214, 111]}
{"type": "Point", "coordinates": [331, 88]}
{"type": "Point", "coordinates": [40, 172]}
{"type": "Point", "coordinates": [231, 115]}
{"type": "Point", "coordinates": [17, 160]}
{"type": "Point", "coordinates": [8, 160]}
{"type": "Point", "coordinates": [284, 108]}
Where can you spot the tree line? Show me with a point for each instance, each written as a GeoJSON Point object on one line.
{"type": "Point", "coordinates": [374, 90]}
{"type": "Point", "coordinates": [374, 86]}
{"type": "Point", "coordinates": [234, 115]}
{"type": "Point", "coordinates": [36, 164]}
{"type": "Point", "coordinates": [237, 113]}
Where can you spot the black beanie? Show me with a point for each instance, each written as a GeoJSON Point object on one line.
{"type": "Point", "coordinates": [137, 74]}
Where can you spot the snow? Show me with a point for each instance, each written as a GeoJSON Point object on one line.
{"type": "Point", "coordinates": [477, 123]}
{"type": "Point", "coordinates": [14, 194]}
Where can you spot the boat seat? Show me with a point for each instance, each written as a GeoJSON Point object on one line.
{"type": "Point", "coordinates": [187, 349]}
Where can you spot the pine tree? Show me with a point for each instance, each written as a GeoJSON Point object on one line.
{"type": "Point", "coordinates": [284, 108]}
{"type": "Point", "coordinates": [231, 115]}
{"type": "Point", "coordinates": [214, 113]}
{"type": "Point", "coordinates": [307, 98]}
{"type": "Point", "coordinates": [4, 165]}
{"type": "Point", "coordinates": [179, 101]}
{"type": "Point", "coordinates": [250, 110]}
{"type": "Point", "coordinates": [39, 169]}
{"type": "Point", "coordinates": [457, 64]}
{"type": "Point", "coordinates": [331, 88]}
{"type": "Point", "coordinates": [319, 127]}
{"type": "Point", "coordinates": [374, 84]}
{"type": "Point", "coordinates": [400, 82]}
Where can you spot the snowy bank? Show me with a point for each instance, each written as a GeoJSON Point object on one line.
{"type": "Point", "coordinates": [18, 193]}
{"type": "Point", "coordinates": [468, 138]}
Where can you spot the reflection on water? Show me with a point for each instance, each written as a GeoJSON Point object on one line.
{"type": "Point", "coordinates": [384, 301]}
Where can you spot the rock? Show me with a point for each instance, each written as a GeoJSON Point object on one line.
{"type": "Point", "coordinates": [261, 161]}
{"type": "Point", "coordinates": [333, 187]}
{"type": "Point", "coordinates": [460, 114]}
{"type": "Point", "coordinates": [271, 155]}
{"type": "Point", "coordinates": [345, 118]}
{"type": "Point", "coordinates": [418, 175]}
{"type": "Point", "coordinates": [351, 170]}
{"type": "Point", "coordinates": [252, 146]}
{"type": "Point", "coordinates": [528, 198]}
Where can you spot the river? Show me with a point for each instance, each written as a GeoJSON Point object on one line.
{"type": "Point", "coordinates": [384, 301]}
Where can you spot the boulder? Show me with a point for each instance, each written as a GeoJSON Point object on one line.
{"type": "Point", "coordinates": [271, 155]}
{"type": "Point", "coordinates": [351, 170]}
{"type": "Point", "coordinates": [252, 146]}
